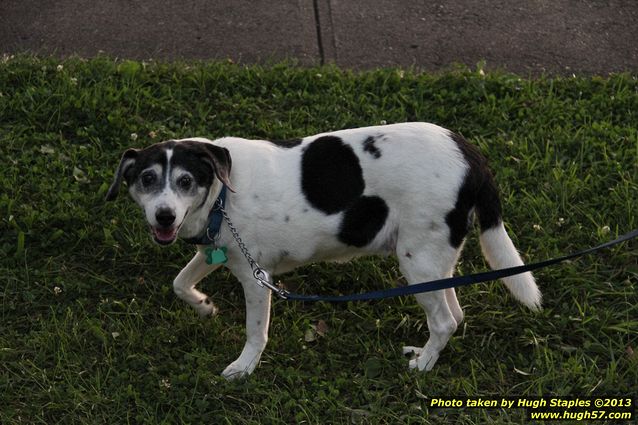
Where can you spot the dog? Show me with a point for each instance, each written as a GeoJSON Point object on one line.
{"type": "Point", "coordinates": [409, 190]}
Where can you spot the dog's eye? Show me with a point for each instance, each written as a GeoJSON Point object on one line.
{"type": "Point", "coordinates": [148, 179]}
{"type": "Point", "coordinates": [185, 182]}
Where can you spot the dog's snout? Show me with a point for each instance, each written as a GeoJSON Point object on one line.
{"type": "Point", "coordinates": [165, 217]}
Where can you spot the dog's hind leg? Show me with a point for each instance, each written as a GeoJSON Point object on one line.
{"type": "Point", "coordinates": [453, 303]}
{"type": "Point", "coordinates": [184, 285]}
{"type": "Point", "coordinates": [442, 310]}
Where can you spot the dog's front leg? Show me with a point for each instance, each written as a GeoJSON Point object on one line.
{"type": "Point", "coordinates": [184, 285]}
{"type": "Point", "coordinates": [257, 322]}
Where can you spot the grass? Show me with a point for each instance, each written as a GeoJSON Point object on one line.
{"type": "Point", "coordinates": [90, 331]}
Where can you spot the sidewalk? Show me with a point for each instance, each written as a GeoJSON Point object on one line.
{"type": "Point", "coordinates": [528, 37]}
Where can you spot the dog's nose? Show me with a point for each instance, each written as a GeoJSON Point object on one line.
{"type": "Point", "coordinates": [165, 217]}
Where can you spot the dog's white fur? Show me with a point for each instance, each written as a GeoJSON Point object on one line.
{"type": "Point", "coordinates": [418, 176]}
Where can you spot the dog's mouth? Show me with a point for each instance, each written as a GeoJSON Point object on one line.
{"type": "Point", "coordinates": [164, 236]}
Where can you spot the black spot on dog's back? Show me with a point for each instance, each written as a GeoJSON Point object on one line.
{"type": "Point", "coordinates": [290, 143]}
{"type": "Point", "coordinates": [331, 176]}
{"type": "Point", "coordinates": [363, 220]}
{"type": "Point", "coordinates": [478, 190]}
{"type": "Point", "coordinates": [370, 147]}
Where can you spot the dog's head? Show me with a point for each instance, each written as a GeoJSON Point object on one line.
{"type": "Point", "coordinates": [172, 181]}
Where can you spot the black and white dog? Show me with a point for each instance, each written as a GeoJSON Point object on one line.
{"type": "Point", "coordinates": [405, 189]}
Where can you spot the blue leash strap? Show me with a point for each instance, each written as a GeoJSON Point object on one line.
{"type": "Point", "coordinates": [457, 281]}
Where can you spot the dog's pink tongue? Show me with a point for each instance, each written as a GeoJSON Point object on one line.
{"type": "Point", "coordinates": [164, 234]}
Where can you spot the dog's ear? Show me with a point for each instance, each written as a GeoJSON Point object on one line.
{"type": "Point", "coordinates": [128, 159]}
{"type": "Point", "coordinates": [221, 162]}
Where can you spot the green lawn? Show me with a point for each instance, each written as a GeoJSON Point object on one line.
{"type": "Point", "coordinates": [90, 331]}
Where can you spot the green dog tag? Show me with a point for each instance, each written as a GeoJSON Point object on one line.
{"type": "Point", "coordinates": [216, 256]}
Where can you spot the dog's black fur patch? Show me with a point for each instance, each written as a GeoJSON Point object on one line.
{"type": "Point", "coordinates": [331, 176]}
{"type": "Point", "coordinates": [370, 147]}
{"type": "Point", "coordinates": [478, 190]}
{"type": "Point", "coordinates": [459, 219]}
{"type": "Point", "coordinates": [146, 158]}
{"type": "Point", "coordinates": [188, 155]}
{"type": "Point", "coordinates": [363, 220]}
{"type": "Point", "coordinates": [202, 158]}
{"type": "Point", "coordinates": [290, 143]}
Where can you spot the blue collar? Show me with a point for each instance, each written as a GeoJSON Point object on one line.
{"type": "Point", "coordinates": [215, 218]}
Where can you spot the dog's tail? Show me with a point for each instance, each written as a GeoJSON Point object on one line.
{"type": "Point", "coordinates": [498, 249]}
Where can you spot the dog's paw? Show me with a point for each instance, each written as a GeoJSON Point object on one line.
{"type": "Point", "coordinates": [423, 359]}
{"type": "Point", "coordinates": [237, 370]}
{"type": "Point", "coordinates": [206, 309]}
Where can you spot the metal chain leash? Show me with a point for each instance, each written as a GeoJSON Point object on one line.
{"type": "Point", "coordinates": [260, 274]}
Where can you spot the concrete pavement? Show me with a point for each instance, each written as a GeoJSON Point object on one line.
{"type": "Point", "coordinates": [526, 37]}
